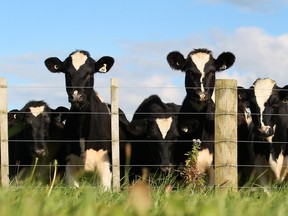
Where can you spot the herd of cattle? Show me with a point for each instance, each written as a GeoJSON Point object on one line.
{"type": "Point", "coordinates": [160, 134]}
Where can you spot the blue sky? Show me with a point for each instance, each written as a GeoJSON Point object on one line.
{"type": "Point", "coordinates": [139, 35]}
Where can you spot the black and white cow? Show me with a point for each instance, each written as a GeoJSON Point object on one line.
{"type": "Point", "coordinates": [269, 115]}
{"type": "Point", "coordinates": [153, 132]}
{"type": "Point", "coordinates": [34, 132]}
{"type": "Point", "coordinates": [89, 128]}
{"type": "Point", "coordinates": [196, 116]}
{"type": "Point", "coordinates": [244, 148]}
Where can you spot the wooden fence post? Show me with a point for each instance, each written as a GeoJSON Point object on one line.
{"type": "Point", "coordinates": [226, 174]}
{"type": "Point", "coordinates": [115, 135]}
{"type": "Point", "coordinates": [4, 133]}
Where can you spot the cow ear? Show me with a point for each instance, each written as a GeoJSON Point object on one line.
{"type": "Point", "coordinates": [54, 64]}
{"type": "Point", "coordinates": [137, 127]}
{"type": "Point", "coordinates": [104, 64]}
{"type": "Point", "coordinates": [176, 60]}
{"type": "Point", "coordinates": [13, 116]}
{"type": "Point", "coordinates": [60, 114]}
{"type": "Point", "coordinates": [224, 61]}
{"type": "Point", "coordinates": [283, 94]}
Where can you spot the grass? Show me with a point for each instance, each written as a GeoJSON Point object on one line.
{"type": "Point", "coordinates": [161, 197]}
{"type": "Point", "coordinates": [33, 199]}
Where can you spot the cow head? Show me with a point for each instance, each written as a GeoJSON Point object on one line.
{"type": "Point", "coordinates": [265, 99]}
{"type": "Point", "coordinates": [79, 69]}
{"type": "Point", "coordinates": [155, 122]}
{"type": "Point", "coordinates": [33, 123]}
{"type": "Point", "coordinates": [200, 68]}
{"type": "Point", "coordinates": [160, 135]}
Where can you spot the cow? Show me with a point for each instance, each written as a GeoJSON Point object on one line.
{"type": "Point", "coordinates": [196, 116]}
{"type": "Point", "coordinates": [88, 127]}
{"type": "Point", "coordinates": [270, 126]}
{"type": "Point", "coordinates": [34, 132]}
{"type": "Point", "coordinates": [245, 157]}
{"type": "Point", "coordinates": [153, 133]}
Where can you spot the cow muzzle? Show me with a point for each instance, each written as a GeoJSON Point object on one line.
{"type": "Point", "coordinates": [76, 97]}
{"type": "Point", "coordinates": [266, 131]}
{"type": "Point", "coordinates": [203, 96]}
{"type": "Point", "coordinates": [41, 152]}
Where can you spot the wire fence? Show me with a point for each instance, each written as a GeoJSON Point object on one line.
{"type": "Point", "coordinates": [131, 113]}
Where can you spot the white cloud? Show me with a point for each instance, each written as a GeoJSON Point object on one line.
{"type": "Point", "coordinates": [258, 54]}
{"type": "Point", "coordinates": [253, 6]}
{"type": "Point", "coordinates": [142, 68]}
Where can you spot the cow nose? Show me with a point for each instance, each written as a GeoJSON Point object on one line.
{"type": "Point", "coordinates": [203, 96]}
{"type": "Point", "coordinates": [40, 152]}
{"type": "Point", "coordinates": [76, 97]}
{"type": "Point", "coordinates": [267, 130]}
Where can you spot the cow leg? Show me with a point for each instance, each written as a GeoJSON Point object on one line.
{"type": "Point", "coordinates": [103, 167]}
{"type": "Point", "coordinates": [279, 167]}
{"type": "Point", "coordinates": [262, 172]}
{"type": "Point", "coordinates": [204, 160]}
{"type": "Point", "coordinates": [73, 170]}
{"type": "Point", "coordinates": [98, 161]}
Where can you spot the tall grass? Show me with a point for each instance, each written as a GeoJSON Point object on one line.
{"type": "Point", "coordinates": [33, 200]}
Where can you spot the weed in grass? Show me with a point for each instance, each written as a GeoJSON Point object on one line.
{"type": "Point", "coordinates": [190, 173]}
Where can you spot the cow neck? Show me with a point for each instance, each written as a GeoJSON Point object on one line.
{"type": "Point", "coordinates": [198, 106]}
{"type": "Point", "coordinates": [99, 120]}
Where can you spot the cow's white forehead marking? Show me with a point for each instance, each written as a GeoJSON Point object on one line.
{"type": "Point", "coordinates": [263, 89]}
{"type": "Point", "coordinates": [164, 125]}
{"type": "Point", "coordinates": [78, 59]}
{"type": "Point", "coordinates": [35, 111]}
{"type": "Point", "coordinates": [200, 59]}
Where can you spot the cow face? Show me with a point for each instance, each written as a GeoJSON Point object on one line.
{"type": "Point", "coordinates": [79, 69]}
{"type": "Point", "coordinates": [33, 124]}
{"type": "Point", "coordinates": [35, 121]}
{"type": "Point", "coordinates": [160, 134]}
{"type": "Point", "coordinates": [265, 99]}
{"type": "Point", "coordinates": [200, 68]}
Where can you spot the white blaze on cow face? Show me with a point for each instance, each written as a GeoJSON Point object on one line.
{"type": "Point", "coordinates": [35, 111]}
{"type": "Point", "coordinates": [200, 59]}
{"type": "Point", "coordinates": [78, 59]}
{"type": "Point", "coordinates": [164, 125]}
{"type": "Point", "coordinates": [263, 89]}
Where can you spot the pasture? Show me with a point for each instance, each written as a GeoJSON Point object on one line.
{"type": "Point", "coordinates": [34, 200]}
{"type": "Point", "coordinates": [216, 153]}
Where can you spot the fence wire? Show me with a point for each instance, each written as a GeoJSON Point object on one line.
{"type": "Point", "coordinates": [239, 142]}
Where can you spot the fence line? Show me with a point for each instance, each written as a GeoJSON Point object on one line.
{"type": "Point", "coordinates": [224, 161]}
{"type": "Point", "coordinates": [226, 99]}
{"type": "Point", "coordinates": [115, 135]}
{"type": "Point", "coordinates": [4, 133]}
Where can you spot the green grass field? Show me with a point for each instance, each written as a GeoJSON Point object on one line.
{"type": "Point", "coordinates": [35, 200]}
